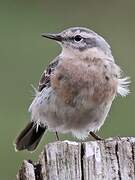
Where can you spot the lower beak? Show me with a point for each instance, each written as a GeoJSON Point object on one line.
{"type": "Point", "coordinates": [55, 37]}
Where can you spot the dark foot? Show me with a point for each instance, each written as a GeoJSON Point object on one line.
{"type": "Point", "coordinates": [57, 136]}
{"type": "Point", "coordinates": [95, 136]}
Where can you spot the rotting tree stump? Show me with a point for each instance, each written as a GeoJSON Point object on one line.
{"type": "Point", "coordinates": [110, 159]}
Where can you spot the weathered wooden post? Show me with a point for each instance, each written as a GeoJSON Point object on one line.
{"type": "Point", "coordinates": [111, 159]}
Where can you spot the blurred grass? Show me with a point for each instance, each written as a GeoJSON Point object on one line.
{"type": "Point", "coordinates": [24, 54]}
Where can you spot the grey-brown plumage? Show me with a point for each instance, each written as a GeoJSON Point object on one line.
{"type": "Point", "coordinates": [45, 77]}
{"type": "Point", "coordinates": [76, 91]}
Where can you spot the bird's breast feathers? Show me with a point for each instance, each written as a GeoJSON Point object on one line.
{"type": "Point", "coordinates": [95, 79]}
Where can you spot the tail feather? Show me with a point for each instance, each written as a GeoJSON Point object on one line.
{"type": "Point", "coordinates": [30, 137]}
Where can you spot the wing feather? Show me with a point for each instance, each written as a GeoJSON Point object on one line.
{"type": "Point", "coordinates": [45, 77]}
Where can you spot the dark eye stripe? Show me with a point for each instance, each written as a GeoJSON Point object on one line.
{"type": "Point", "coordinates": [72, 38]}
{"type": "Point", "coordinates": [87, 42]}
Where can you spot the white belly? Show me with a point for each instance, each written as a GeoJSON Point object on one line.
{"type": "Point", "coordinates": [48, 110]}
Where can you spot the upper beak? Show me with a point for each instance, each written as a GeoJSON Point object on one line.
{"type": "Point", "coordinates": [56, 37]}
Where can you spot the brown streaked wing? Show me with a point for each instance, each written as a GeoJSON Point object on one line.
{"type": "Point", "coordinates": [45, 77]}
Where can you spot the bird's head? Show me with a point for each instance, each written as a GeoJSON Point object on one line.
{"type": "Point", "coordinates": [80, 41]}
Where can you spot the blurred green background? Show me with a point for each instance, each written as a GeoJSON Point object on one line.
{"type": "Point", "coordinates": [24, 54]}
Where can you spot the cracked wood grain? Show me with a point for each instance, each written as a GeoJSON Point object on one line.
{"type": "Point", "coordinates": [111, 159]}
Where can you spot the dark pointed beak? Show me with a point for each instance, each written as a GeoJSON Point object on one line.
{"type": "Point", "coordinates": [55, 37]}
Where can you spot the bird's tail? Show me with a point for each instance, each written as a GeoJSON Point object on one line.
{"type": "Point", "coordinates": [30, 137]}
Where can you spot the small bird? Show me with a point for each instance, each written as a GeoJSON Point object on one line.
{"type": "Point", "coordinates": [76, 90]}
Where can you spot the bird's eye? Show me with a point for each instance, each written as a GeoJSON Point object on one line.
{"type": "Point", "coordinates": [77, 38]}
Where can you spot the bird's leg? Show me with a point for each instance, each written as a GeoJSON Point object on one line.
{"type": "Point", "coordinates": [57, 136]}
{"type": "Point", "coordinates": [95, 136]}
